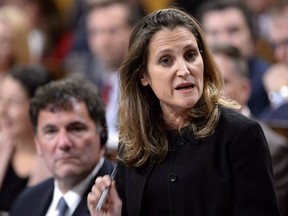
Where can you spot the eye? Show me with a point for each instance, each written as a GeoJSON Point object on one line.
{"type": "Point", "coordinates": [77, 128]}
{"type": "Point", "coordinates": [190, 56]}
{"type": "Point", "coordinates": [166, 61]}
{"type": "Point", "coordinates": [233, 30]}
{"type": "Point", "coordinates": [49, 130]}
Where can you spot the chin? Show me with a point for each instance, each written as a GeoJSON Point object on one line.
{"type": "Point", "coordinates": [68, 173]}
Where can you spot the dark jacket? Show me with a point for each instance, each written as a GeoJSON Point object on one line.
{"type": "Point", "coordinates": [36, 200]}
{"type": "Point", "coordinates": [226, 174]}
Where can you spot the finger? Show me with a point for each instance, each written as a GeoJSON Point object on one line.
{"type": "Point", "coordinates": [91, 202]}
{"type": "Point", "coordinates": [95, 193]}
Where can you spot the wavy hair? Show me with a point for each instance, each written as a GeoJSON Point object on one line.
{"type": "Point", "coordinates": [141, 128]}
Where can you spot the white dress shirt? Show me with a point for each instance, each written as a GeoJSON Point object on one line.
{"type": "Point", "coordinates": [73, 196]}
{"type": "Point", "coordinates": [111, 111]}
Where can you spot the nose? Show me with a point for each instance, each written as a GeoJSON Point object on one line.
{"type": "Point", "coordinates": [64, 142]}
{"type": "Point", "coordinates": [182, 68]}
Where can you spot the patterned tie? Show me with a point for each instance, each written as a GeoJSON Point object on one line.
{"type": "Point", "coordinates": [62, 207]}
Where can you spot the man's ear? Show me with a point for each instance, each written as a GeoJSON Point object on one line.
{"type": "Point", "coordinates": [37, 144]}
{"type": "Point", "coordinates": [144, 79]}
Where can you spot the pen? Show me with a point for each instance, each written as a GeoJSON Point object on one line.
{"type": "Point", "coordinates": [106, 191]}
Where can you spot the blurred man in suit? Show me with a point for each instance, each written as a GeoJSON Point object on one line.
{"type": "Point", "coordinates": [279, 32]}
{"type": "Point", "coordinates": [231, 22]}
{"type": "Point", "coordinates": [69, 122]}
{"type": "Point", "coordinates": [109, 26]}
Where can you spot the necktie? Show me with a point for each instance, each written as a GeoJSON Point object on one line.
{"type": "Point", "coordinates": [105, 93]}
{"type": "Point", "coordinates": [62, 207]}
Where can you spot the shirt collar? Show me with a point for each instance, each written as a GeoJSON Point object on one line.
{"type": "Point", "coordinates": [73, 196]}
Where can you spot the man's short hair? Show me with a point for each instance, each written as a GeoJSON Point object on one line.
{"type": "Point", "coordinates": [59, 95]}
{"type": "Point", "coordinates": [228, 4]}
{"type": "Point", "coordinates": [239, 62]}
{"type": "Point", "coordinates": [134, 14]}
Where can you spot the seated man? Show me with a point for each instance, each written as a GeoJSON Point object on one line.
{"type": "Point", "coordinates": [238, 87]}
{"type": "Point", "coordinates": [69, 123]}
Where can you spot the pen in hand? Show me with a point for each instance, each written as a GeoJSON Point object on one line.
{"type": "Point", "coordinates": [104, 194]}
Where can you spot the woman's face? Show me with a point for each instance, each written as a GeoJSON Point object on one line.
{"type": "Point", "coordinates": [14, 106]}
{"type": "Point", "coordinates": [175, 69]}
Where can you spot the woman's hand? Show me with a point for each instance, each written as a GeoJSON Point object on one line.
{"type": "Point", "coordinates": [113, 204]}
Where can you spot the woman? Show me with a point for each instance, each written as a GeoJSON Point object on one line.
{"type": "Point", "coordinates": [20, 165]}
{"type": "Point", "coordinates": [183, 151]}
{"type": "Point", "coordinates": [14, 30]}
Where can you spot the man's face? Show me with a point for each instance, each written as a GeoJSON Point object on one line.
{"type": "Point", "coordinates": [236, 87]}
{"type": "Point", "coordinates": [109, 33]}
{"type": "Point", "coordinates": [69, 142]}
{"type": "Point", "coordinates": [229, 26]}
{"type": "Point", "coordinates": [279, 37]}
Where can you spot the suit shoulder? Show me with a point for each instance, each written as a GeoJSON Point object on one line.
{"type": "Point", "coordinates": [233, 118]}
{"type": "Point", "coordinates": [31, 193]}
{"type": "Point", "coordinates": [39, 188]}
{"type": "Point", "coordinates": [32, 196]}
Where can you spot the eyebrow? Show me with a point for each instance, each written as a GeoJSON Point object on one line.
{"type": "Point", "coordinates": [186, 47]}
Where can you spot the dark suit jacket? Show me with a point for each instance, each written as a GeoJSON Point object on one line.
{"type": "Point", "coordinates": [278, 146]}
{"type": "Point", "coordinates": [36, 200]}
{"type": "Point", "coordinates": [226, 174]}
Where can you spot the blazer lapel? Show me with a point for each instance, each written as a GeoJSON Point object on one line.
{"type": "Point", "coordinates": [82, 208]}
{"type": "Point", "coordinates": [137, 179]}
{"type": "Point", "coordinates": [45, 199]}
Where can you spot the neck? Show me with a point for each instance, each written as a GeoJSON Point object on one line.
{"type": "Point", "coordinates": [175, 120]}
{"type": "Point", "coordinates": [68, 183]}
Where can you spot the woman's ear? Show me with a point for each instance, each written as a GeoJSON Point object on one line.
{"type": "Point", "coordinates": [144, 79]}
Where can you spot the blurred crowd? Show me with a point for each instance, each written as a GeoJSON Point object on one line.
{"type": "Point", "coordinates": [44, 40]}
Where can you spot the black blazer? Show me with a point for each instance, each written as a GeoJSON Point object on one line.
{"type": "Point", "coordinates": [226, 174]}
{"type": "Point", "coordinates": [36, 200]}
{"type": "Point", "coordinates": [278, 146]}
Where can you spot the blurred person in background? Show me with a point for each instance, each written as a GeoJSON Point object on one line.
{"type": "Point", "coordinates": [276, 78]}
{"type": "Point", "coordinates": [237, 87]}
{"type": "Point", "coordinates": [109, 26]}
{"type": "Point", "coordinates": [14, 31]}
{"type": "Point", "coordinates": [235, 72]}
{"type": "Point", "coordinates": [276, 84]}
{"type": "Point", "coordinates": [231, 22]}
{"type": "Point", "coordinates": [261, 10]}
{"type": "Point", "coordinates": [279, 32]}
{"type": "Point", "coordinates": [49, 38]}
{"type": "Point", "coordinates": [20, 166]}
{"type": "Point", "coordinates": [261, 16]}
{"type": "Point", "coordinates": [191, 6]}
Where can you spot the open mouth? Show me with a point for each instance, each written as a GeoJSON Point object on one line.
{"type": "Point", "coordinates": [185, 87]}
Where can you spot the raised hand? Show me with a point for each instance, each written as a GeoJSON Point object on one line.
{"type": "Point", "coordinates": [112, 205]}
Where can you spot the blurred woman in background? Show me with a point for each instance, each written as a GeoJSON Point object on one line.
{"type": "Point", "coordinates": [14, 30]}
{"type": "Point", "coordinates": [20, 165]}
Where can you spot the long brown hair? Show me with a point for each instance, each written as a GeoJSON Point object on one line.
{"type": "Point", "coordinates": [141, 128]}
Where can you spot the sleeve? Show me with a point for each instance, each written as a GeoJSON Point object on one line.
{"type": "Point", "coordinates": [120, 185]}
{"type": "Point", "coordinates": [253, 188]}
